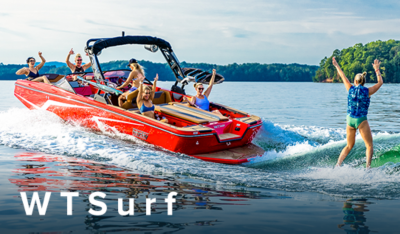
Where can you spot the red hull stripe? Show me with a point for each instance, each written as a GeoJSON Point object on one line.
{"type": "Point", "coordinates": [108, 110]}
{"type": "Point", "coordinates": [116, 113]}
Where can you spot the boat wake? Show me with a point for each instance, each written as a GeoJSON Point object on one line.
{"type": "Point", "coordinates": [297, 158]}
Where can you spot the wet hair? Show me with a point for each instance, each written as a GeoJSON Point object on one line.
{"type": "Point", "coordinates": [360, 78]}
{"type": "Point", "coordinates": [196, 85]}
{"type": "Point", "coordinates": [27, 60]}
{"type": "Point", "coordinates": [137, 67]}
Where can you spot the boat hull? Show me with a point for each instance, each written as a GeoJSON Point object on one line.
{"type": "Point", "coordinates": [99, 116]}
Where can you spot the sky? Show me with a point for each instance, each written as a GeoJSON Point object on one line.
{"type": "Point", "coordinates": [210, 31]}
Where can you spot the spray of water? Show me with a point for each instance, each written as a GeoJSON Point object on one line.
{"type": "Point", "coordinates": [297, 158]}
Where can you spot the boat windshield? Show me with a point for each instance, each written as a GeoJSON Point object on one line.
{"type": "Point", "coordinates": [102, 87]}
{"type": "Point", "coordinates": [120, 73]}
{"type": "Point", "coordinates": [64, 84]}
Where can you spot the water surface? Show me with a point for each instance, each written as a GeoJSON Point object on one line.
{"type": "Point", "coordinates": [291, 188]}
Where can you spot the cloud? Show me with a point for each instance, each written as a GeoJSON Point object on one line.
{"type": "Point", "coordinates": [208, 31]}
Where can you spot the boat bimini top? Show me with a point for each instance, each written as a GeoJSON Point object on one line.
{"type": "Point", "coordinates": [153, 44]}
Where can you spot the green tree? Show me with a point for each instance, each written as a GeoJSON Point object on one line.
{"type": "Point", "coordinates": [359, 58]}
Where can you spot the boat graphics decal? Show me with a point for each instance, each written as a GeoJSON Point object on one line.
{"type": "Point", "coordinates": [97, 118]}
{"type": "Point", "coordinates": [140, 134]}
{"type": "Point", "coordinates": [107, 110]}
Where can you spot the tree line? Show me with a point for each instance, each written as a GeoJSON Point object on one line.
{"type": "Point", "coordinates": [359, 58]}
{"type": "Point", "coordinates": [231, 72]}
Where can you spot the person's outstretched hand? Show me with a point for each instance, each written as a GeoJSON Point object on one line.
{"type": "Point", "coordinates": [214, 71]}
{"type": "Point", "coordinates": [334, 62]}
{"type": "Point", "coordinates": [156, 78]}
{"type": "Point", "coordinates": [71, 51]}
{"type": "Point", "coordinates": [376, 64]}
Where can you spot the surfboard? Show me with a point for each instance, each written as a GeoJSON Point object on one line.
{"type": "Point", "coordinates": [393, 155]}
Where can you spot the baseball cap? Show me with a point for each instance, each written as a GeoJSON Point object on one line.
{"type": "Point", "coordinates": [132, 60]}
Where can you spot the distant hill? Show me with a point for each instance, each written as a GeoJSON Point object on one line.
{"type": "Point", "coordinates": [359, 58]}
{"type": "Point", "coordinates": [56, 64]}
{"type": "Point", "coordinates": [231, 72]}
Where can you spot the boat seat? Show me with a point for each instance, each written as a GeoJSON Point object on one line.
{"type": "Point", "coordinates": [160, 97]}
{"type": "Point", "coordinates": [183, 114]}
{"type": "Point", "coordinates": [200, 111]}
{"type": "Point", "coordinates": [177, 96]}
{"type": "Point", "coordinates": [130, 100]}
{"type": "Point", "coordinates": [53, 78]}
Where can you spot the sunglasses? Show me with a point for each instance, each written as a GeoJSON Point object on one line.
{"type": "Point", "coordinates": [79, 60]}
{"type": "Point", "coordinates": [147, 93]}
{"type": "Point", "coordinates": [31, 60]}
{"type": "Point", "coordinates": [200, 88]}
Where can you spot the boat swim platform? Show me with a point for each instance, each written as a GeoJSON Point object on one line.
{"type": "Point", "coordinates": [236, 155]}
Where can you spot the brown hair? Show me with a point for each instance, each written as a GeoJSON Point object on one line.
{"type": "Point", "coordinates": [360, 78]}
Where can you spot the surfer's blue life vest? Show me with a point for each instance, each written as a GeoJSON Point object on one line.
{"type": "Point", "coordinates": [358, 101]}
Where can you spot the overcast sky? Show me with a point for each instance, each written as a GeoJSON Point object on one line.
{"type": "Point", "coordinates": [211, 31]}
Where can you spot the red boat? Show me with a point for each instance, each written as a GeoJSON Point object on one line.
{"type": "Point", "coordinates": [192, 131]}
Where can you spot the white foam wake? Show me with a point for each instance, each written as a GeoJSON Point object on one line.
{"type": "Point", "coordinates": [285, 168]}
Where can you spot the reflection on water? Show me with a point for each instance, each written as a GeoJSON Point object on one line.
{"type": "Point", "coordinates": [43, 172]}
{"type": "Point", "coordinates": [354, 218]}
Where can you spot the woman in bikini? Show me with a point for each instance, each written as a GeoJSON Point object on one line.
{"type": "Point", "coordinates": [135, 78]}
{"type": "Point", "coordinates": [32, 72]}
{"type": "Point", "coordinates": [201, 100]}
{"type": "Point", "coordinates": [145, 100]}
{"type": "Point", "coordinates": [357, 109]}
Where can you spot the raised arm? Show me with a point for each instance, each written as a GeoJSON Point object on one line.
{"type": "Point", "coordinates": [23, 71]}
{"type": "Point", "coordinates": [38, 67]}
{"type": "Point", "coordinates": [376, 87]}
{"type": "Point", "coordinates": [139, 98]}
{"type": "Point", "coordinates": [87, 65]}
{"type": "Point", "coordinates": [210, 85]}
{"type": "Point", "coordinates": [346, 81]}
{"type": "Point", "coordinates": [154, 87]}
{"type": "Point", "coordinates": [69, 64]}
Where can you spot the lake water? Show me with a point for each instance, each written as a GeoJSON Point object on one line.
{"type": "Point", "coordinates": [292, 188]}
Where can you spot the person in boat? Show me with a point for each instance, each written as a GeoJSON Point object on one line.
{"type": "Point", "coordinates": [145, 100]}
{"type": "Point", "coordinates": [78, 67]}
{"type": "Point", "coordinates": [136, 76]}
{"type": "Point", "coordinates": [32, 72]}
{"type": "Point", "coordinates": [201, 100]}
{"type": "Point", "coordinates": [357, 109]}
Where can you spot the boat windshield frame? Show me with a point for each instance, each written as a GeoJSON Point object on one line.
{"type": "Point", "coordinates": [95, 46]}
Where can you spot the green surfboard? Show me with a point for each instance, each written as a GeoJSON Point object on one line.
{"type": "Point", "coordinates": [393, 155]}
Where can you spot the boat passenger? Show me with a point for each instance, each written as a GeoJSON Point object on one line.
{"type": "Point", "coordinates": [145, 100]}
{"type": "Point", "coordinates": [32, 72]}
{"type": "Point", "coordinates": [78, 67]}
{"type": "Point", "coordinates": [357, 109]}
{"type": "Point", "coordinates": [201, 100]}
{"type": "Point", "coordinates": [135, 78]}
